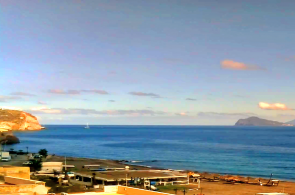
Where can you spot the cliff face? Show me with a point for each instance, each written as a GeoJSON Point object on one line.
{"type": "Point", "coordinates": [255, 121]}
{"type": "Point", "coordinates": [18, 120]}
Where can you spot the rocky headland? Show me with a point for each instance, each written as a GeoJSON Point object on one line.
{"type": "Point", "coordinates": [16, 120]}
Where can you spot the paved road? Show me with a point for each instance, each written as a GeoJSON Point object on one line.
{"type": "Point", "coordinates": [16, 160]}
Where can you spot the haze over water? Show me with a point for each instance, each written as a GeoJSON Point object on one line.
{"type": "Point", "coordinates": [253, 151]}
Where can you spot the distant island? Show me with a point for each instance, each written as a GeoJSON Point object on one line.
{"type": "Point", "coordinates": [255, 121]}
{"type": "Point", "coordinates": [18, 120]}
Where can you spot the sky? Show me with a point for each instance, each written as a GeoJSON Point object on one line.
{"type": "Point", "coordinates": [137, 62]}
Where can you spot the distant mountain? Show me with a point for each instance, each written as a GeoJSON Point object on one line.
{"type": "Point", "coordinates": [291, 122]}
{"type": "Point", "coordinates": [255, 121]}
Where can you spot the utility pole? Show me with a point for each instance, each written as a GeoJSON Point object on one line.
{"type": "Point", "coordinates": [4, 145]}
{"type": "Point", "coordinates": [65, 163]}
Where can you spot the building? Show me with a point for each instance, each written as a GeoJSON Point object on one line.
{"type": "Point", "coordinates": [16, 181]}
{"type": "Point", "coordinates": [50, 167]}
{"type": "Point", "coordinates": [105, 178]}
{"type": "Point", "coordinates": [122, 190]}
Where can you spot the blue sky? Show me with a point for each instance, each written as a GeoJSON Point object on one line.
{"type": "Point", "coordinates": [148, 62]}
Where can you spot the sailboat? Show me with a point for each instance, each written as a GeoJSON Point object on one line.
{"type": "Point", "coordinates": [87, 126]}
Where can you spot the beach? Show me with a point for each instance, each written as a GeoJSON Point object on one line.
{"type": "Point", "coordinates": [208, 188]}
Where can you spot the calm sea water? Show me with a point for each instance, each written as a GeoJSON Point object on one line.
{"type": "Point", "coordinates": [253, 151]}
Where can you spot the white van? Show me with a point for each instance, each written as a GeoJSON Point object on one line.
{"type": "Point", "coordinates": [5, 156]}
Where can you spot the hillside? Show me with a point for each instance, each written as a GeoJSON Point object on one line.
{"type": "Point", "coordinates": [18, 120]}
{"type": "Point", "coordinates": [255, 121]}
{"type": "Point", "coordinates": [291, 122]}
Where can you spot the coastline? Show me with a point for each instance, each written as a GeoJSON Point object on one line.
{"type": "Point", "coordinates": [123, 163]}
{"type": "Point", "coordinates": [208, 187]}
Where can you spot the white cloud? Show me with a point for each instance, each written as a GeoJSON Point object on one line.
{"type": "Point", "coordinates": [22, 94]}
{"type": "Point", "coordinates": [224, 115]}
{"type": "Point", "coordinates": [8, 98]}
{"type": "Point", "coordinates": [10, 108]}
{"type": "Point", "coordinates": [81, 111]}
{"type": "Point", "coordinates": [276, 106]}
{"type": "Point", "coordinates": [77, 92]}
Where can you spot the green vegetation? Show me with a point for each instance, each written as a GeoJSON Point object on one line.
{"type": "Point", "coordinates": [43, 152]}
{"type": "Point", "coordinates": [36, 165]}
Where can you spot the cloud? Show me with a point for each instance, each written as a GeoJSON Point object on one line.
{"type": "Point", "coordinates": [276, 106]}
{"type": "Point", "coordinates": [10, 108]}
{"type": "Point", "coordinates": [112, 101]}
{"type": "Point", "coordinates": [46, 110]}
{"type": "Point", "coordinates": [145, 94]}
{"type": "Point", "coordinates": [102, 92]}
{"type": "Point", "coordinates": [181, 114]}
{"type": "Point", "coordinates": [82, 111]}
{"type": "Point", "coordinates": [77, 92]}
{"type": "Point", "coordinates": [64, 92]}
{"type": "Point", "coordinates": [42, 103]}
{"type": "Point", "coordinates": [190, 99]}
{"type": "Point", "coordinates": [8, 98]}
{"type": "Point", "coordinates": [230, 64]}
{"type": "Point", "coordinates": [221, 114]}
{"type": "Point", "coordinates": [22, 94]}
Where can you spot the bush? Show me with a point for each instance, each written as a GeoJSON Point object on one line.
{"type": "Point", "coordinates": [20, 152]}
{"type": "Point", "coordinates": [43, 152]}
{"type": "Point", "coordinates": [36, 166]}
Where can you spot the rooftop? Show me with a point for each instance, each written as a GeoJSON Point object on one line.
{"type": "Point", "coordinates": [121, 175]}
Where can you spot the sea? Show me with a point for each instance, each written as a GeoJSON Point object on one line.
{"type": "Point", "coordinates": [247, 151]}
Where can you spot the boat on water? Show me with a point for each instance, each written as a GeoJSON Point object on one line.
{"type": "Point", "coordinates": [87, 126]}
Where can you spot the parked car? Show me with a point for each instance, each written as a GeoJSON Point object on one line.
{"type": "Point", "coordinates": [71, 174]}
{"type": "Point", "coordinates": [28, 163]}
{"type": "Point", "coordinates": [100, 169]}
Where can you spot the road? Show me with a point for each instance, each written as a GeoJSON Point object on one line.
{"type": "Point", "coordinates": [16, 160]}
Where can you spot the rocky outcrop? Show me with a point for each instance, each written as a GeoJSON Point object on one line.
{"type": "Point", "coordinates": [18, 120]}
{"type": "Point", "coordinates": [255, 121]}
{"type": "Point", "coordinates": [8, 138]}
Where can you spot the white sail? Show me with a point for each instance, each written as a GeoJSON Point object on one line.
{"type": "Point", "coordinates": [87, 126]}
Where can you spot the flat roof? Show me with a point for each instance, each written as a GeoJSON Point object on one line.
{"type": "Point", "coordinates": [121, 175]}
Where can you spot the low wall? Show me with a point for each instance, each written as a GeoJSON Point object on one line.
{"type": "Point", "coordinates": [17, 188]}
{"type": "Point", "coordinates": [18, 181]}
{"type": "Point", "coordinates": [133, 191]}
{"type": "Point", "coordinates": [20, 172]}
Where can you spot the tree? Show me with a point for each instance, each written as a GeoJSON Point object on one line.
{"type": "Point", "coordinates": [43, 152]}
{"type": "Point", "coordinates": [21, 152]}
{"type": "Point", "coordinates": [36, 165]}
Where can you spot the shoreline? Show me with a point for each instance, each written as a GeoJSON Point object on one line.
{"type": "Point", "coordinates": [134, 165]}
